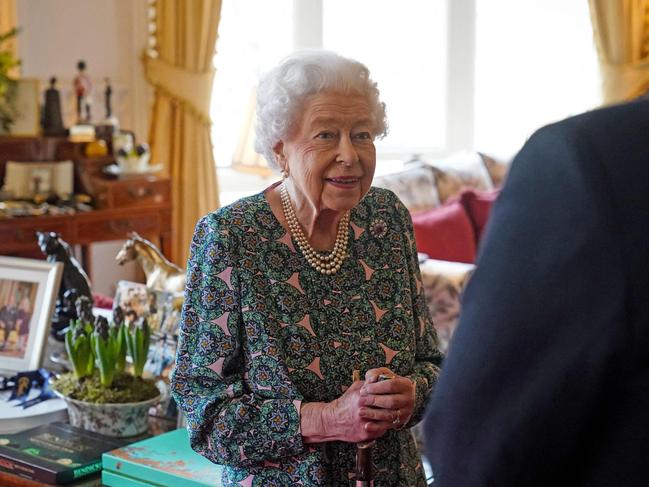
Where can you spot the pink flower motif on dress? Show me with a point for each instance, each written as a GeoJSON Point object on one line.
{"type": "Point", "coordinates": [358, 231]}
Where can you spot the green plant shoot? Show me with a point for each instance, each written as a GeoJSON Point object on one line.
{"type": "Point", "coordinates": [77, 346]}
{"type": "Point", "coordinates": [118, 337]}
{"type": "Point", "coordinates": [104, 347]}
{"type": "Point", "coordinates": [137, 341]}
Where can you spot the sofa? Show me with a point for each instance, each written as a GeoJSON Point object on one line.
{"type": "Point", "coordinates": [449, 200]}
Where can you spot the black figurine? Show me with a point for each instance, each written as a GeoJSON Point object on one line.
{"type": "Point", "coordinates": [52, 121]}
{"type": "Point", "coordinates": [108, 94]}
{"type": "Point", "coordinates": [66, 313]}
{"type": "Point", "coordinates": [74, 277]}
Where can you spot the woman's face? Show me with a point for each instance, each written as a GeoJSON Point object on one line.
{"type": "Point", "coordinates": [330, 152]}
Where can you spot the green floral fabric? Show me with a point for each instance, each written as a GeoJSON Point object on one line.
{"type": "Point", "coordinates": [262, 332]}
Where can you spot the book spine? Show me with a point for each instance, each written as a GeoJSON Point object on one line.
{"type": "Point", "coordinates": [24, 470]}
{"type": "Point", "coordinates": [86, 470]}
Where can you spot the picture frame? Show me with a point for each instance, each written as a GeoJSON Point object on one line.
{"type": "Point", "coordinates": [160, 308]}
{"type": "Point", "coordinates": [28, 292]}
{"type": "Point", "coordinates": [26, 98]}
{"type": "Point", "coordinates": [24, 180]}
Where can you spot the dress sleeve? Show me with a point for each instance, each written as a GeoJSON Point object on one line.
{"type": "Point", "coordinates": [232, 418]}
{"type": "Point", "coordinates": [427, 354]}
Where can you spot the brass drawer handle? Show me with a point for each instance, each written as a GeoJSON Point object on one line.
{"type": "Point", "coordinates": [120, 226]}
{"type": "Point", "coordinates": [139, 192]}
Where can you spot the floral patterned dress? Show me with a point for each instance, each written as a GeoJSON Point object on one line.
{"type": "Point", "coordinates": [262, 331]}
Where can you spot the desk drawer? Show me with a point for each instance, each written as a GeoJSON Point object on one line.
{"type": "Point", "coordinates": [131, 193]}
{"type": "Point", "coordinates": [118, 228]}
{"type": "Point", "coordinates": [17, 233]}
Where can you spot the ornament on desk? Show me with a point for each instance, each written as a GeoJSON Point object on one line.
{"type": "Point", "coordinates": [52, 121]}
{"type": "Point", "coordinates": [110, 120]}
{"type": "Point", "coordinates": [83, 92]}
{"type": "Point", "coordinates": [22, 384]}
{"type": "Point", "coordinates": [135, 159]}
{"type": "Point", "coordinates": [74, 277]}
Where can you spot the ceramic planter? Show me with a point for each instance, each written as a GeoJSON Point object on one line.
{"type": "Point", "coordinates": [117, 420]}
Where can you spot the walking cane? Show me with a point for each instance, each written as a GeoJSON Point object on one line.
{"type": "Point", "coordinates": [364, 471]}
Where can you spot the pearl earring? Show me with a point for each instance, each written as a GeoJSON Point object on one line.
{"type": "Point", "coordinates": [284, 173]}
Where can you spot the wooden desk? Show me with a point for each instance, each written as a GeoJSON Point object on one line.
{"type": "Point", "coordinates": [140, 204]}
{"type": "Point", "coordinates": [17, 235]}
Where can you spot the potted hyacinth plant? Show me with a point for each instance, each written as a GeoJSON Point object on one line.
{"type": "Point", "coordinates": [103, 392]}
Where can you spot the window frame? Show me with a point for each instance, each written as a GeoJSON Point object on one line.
{"type": "Point", "coordinates": [460, 69]}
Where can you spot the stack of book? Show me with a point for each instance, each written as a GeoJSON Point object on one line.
{"type": "Point", "coordinates": [166, 459]}
{"type": "Point", "coordinates": [54, 453]}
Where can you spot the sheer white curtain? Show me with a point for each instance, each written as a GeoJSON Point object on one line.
{"type": "Point", "coordinates": [536, 62]}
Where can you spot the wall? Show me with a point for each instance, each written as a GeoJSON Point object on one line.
{"type": "Point", "coordinates": [110, 36]}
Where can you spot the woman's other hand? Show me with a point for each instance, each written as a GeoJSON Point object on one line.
{"type": "Point", "coordinates": [391, 401]}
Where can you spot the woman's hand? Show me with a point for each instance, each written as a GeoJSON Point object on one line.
{"type": "Point", "coordinates": [364, 412]}
{"type": "Point", "coordinates": [390, 401]}
{"type": "Point", "coordinates": [340, 419]}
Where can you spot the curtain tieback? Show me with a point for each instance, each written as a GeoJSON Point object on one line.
{"type": "Point", "coordinates": [624, 81]}
{"type": "Point", "coordinates": [192, 89]}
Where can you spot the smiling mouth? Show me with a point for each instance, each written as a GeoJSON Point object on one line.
{"type": "Point", "coordinates": [346, 181]}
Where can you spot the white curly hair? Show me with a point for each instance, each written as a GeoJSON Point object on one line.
{"type": "Point", "coordinates": [282, 90]}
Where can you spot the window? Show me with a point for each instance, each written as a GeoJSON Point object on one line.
{"type": "Point", "coordinates": [455, 74]}
{"type": "Point", "coordinates": [253, 36]}
{"type": "Point", "coordinates": [404, 46]}
{"type": "Point", "coordinates": [536, 67]}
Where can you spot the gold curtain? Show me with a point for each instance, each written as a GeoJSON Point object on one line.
{"type": "Point", "coordinates": [8, 20]}
{"type": "Point", "coordinates": [621, 30]}
{"type": "Point", "coordinates": [179, 133]}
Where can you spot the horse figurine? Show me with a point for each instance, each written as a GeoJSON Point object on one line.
{"type": "Point", "coordinates": [160, 273]}
{"type": "Point", "coordinates": [74, 280]}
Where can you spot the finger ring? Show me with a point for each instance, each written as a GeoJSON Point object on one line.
{"type": "Point", "coordinates": [397, 419]}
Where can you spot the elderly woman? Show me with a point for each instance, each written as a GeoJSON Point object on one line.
{"type": "Point", "coordinates": [293, 292]}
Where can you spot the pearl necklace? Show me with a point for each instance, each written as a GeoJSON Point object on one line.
{"type": "Point", "coordinates": [326, 263]}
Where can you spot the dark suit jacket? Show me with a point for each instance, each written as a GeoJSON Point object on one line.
{"type": "Point", "coordinates": [547, 378]}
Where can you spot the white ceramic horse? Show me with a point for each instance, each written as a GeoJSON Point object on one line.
{"type": "Point", "coordinates": [160, 273]}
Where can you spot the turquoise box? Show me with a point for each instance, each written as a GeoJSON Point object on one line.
{"type": "Point", "coordinates": [165, 459]}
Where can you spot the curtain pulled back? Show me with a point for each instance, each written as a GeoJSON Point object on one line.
{"type": "Point", "coordinates": [621, 30]}
{"type": "Point", "coordinates": [179, 131]}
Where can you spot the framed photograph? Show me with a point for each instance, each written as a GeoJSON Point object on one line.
{"type": "Point", "coordinates": [160, 308]}
{"type": "Point", "coordinates": [24, 180]}
{"type": "Point", "coordinates": [26, 99]}
{"type": "Point", "coordinates": [28, 291]}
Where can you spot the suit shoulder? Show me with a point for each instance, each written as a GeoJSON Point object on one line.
{"type": "Point", "coordinates": [623, 119]}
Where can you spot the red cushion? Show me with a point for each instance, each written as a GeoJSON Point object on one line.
{"type": "Point", "coordinates": [445, 233]}
{"type": "Point", "coordinates": [102, 301]}
{"type": "Point", "coordinates": [478, 205]}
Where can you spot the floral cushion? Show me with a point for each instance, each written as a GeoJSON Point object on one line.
{"type": "Point", "coordinates": [460, 171]}
{"type": "Point", "coordinates": [497, 168]}
{"type": "Point", "coordinates": [415, 186]}
{"type": "Point", "coordinates": [443, 284]}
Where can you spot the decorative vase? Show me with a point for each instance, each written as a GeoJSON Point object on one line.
{"type": "Point", "coordinates": [112, 419]}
